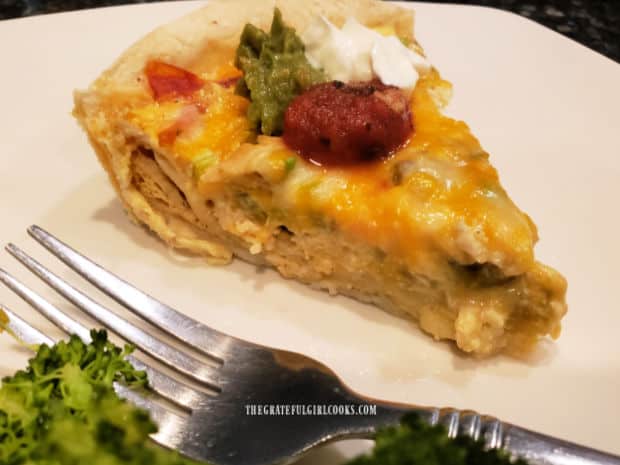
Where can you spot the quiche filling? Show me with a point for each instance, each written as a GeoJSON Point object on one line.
{"type": "Point", "coordinates": [252, 148]}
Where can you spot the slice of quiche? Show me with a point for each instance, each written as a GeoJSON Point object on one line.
{"type": "Point", "coordinates": [309, 137]}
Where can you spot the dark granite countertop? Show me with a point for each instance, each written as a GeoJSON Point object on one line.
{"type": "Point", "coordinates": [594, 23]}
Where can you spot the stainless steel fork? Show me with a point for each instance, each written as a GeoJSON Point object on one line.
{"type": "Point", "coordinates": [221, 423]}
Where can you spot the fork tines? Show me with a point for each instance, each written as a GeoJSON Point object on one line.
{"type": "Point", "coordinates": [172, 423]}
{"type": "Point", "coordinates": [171, 389]}
{"type": "Point", "coordinates": [175, 323]}
{"type": "Point", "coordinates": [160, 350]}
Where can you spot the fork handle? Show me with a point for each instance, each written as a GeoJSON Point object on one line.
{"type": "Point", "coordinates": [540, 449]}
{"type": "Point", "coordinates": [535, 448]}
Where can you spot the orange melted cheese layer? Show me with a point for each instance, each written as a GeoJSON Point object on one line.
{"type": "Point", "coordinates": [213, 119]}
{"type": "Point", "coordinates": [437, 195]}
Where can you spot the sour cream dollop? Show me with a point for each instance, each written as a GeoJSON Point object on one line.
{"type": "Point", "coordinates": [357, 53]}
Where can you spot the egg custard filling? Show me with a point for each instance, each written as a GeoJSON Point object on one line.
{"type": "Point", "coordinates": [228, 139]}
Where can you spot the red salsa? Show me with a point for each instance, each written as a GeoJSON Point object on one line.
{"type": "Point", "coordinates": [344, 124]}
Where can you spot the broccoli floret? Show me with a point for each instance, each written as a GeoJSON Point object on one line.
{"type": "Point", "coordinates": [414, 442]}
{"type": "Point", "coordinates": [62, 409]}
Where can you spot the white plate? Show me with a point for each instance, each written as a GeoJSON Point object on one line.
{"type": "Point", "coordinates": [545, 107]}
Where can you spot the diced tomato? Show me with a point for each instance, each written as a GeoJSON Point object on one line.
{"type": "Point", "coordinates": [169, 135]}
{"type": "Point", "coordinates": [189, 115]}
{"type": "Point", "coordinates": [169, 81]}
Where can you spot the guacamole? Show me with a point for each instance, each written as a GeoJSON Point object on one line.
{"type": "Point", "coordinates": [275, 70]}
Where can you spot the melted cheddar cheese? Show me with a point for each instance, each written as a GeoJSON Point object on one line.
{"type": "Point", "coordinates": [214, 119]}
{"type": "Point", "coordinates": [426, 232]}
{"type": "Point", "coordinates": [438, 195]}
